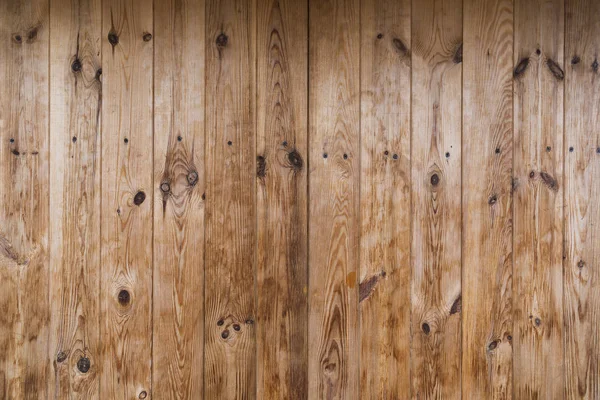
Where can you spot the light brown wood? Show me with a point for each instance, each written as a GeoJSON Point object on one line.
{"type": "Point", "coordinates": [538, 199]}
{"type": "Point", "coordinates": [384, 272]}
{"type": "Point", "coordinates": [127, 187]}
{"type": "Point", "coordinates": [282, 133]}
{"type": "Point", "coordinates": [334, 227]}
{"type": "Point", "coordinates": [178, 298]}
{"type": "Point", "coordinates": [487, 199]}
{"type": "Point", "coordinates": [436, 199]}
{"type": "Point", "coordinates": [582, 189]}
{"type": "Point", "coordinates": [75, 107]}
{"type": "Point", "coordinates": [24, 198]}
{"type": "Point", "coordinates": [230, 263]}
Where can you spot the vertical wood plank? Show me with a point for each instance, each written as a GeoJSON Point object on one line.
{"type": "Point", "coordinates": [230, 337]}
{"type": "Point", "coordinates": [582, 190]}
{"type": "Point", "coordinates": [24, 198]}
{"type": "Point", "coordinates": [538, 199]}
{"type": "Point", "coordinates": [436, 198]}
{"type": "Point", "coordinates": [384, 288]}
{"type": "Point", "coordinates": [178, 298]}
{"type": "Point", "coordinates": [126, 220]}
{"type": "Point", "coordinates": [76, 101]}
{"type": "Point", "coordinates": [334, 123]}
{"type": "Point", "coordinates": [282, 275]}
{"type": "Point", "coordinates": [487, 199]}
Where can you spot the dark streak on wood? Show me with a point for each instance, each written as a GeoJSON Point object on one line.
{"type": "Point", "coordinates": [555, 69]}
{"type": "Point", "coordinates": [549, 181]}
{"type": "Point", "coordinates": [521, 67]}
{"type": "Point", "coordinates": [261, 167]}
{"type": "Point", "coordinates": [365, 288]}
{"type": "Point", "coordinates": [458, 55]}
{"type": "Point", "coordinates": [456, 306]}
{"type": "Point", "coordinates": [595, 65]}
{"type": "Point", "coordinates": [400, 47]}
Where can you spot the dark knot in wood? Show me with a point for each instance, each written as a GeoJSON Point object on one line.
{"type": "Point", "coordinates": [521, 67]}
{"type": "Point", "coordinates": [61, 356]}
{"type": "Point", "coordinates": [435, 180]}
{"type": "Point", "coordinates": [124, 297]}
{"type": "Point", "coordinates": [147, 37]}
{"type": "Point", "coordinates": [222, 40]}
{"type": "Point", "coordinates": [83, 365]}
{"type": "Point", "coordinates": [192, 178]}
{"type": "Point", "coordinates": [225, 334]}
{"type": "Point", "coordinates": [165, 187]}
{"type": "Point", "coordinates": [295, 160]}
{"type": "Point", "coordinates": [113, 38]}
{"type": "Point", "coordinates": [555, 69]}
{"type": "Point", "coordinates": [236, 327]}
{"type": "Point", "coordinates": [17, 38]}
{"type": "Point", "coordinates": [32, 34]}
{"type": "Point", "coordinates": [458, 54]}
{"type": "Point", "coordinates": [76, 65]}
{"type": "Point", "coordinates": [400, 47]}
{"type": "Point", "coordinates": [139, 198]}
{"type": "Point", "coordinates": [261, 167]}
{"type": "Point", "coordinates": [426, 328]}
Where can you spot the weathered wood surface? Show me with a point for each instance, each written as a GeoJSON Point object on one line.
{"type": "Point", "coordinates": [329, 199]}
{"type": "Point", "coordinates": [24, 199]}
{"type": "Point", "coordinates": [75, 134]}
{"type": "Point", "coordinates": [230, 245]}
{"type": "Point", "coordinates": [127, 187]}
{"type": "Point", "coordinates": [487, 151]}
{"type": "Point", "coordinates": [436, 197]}
{"type": "Point", "coordinates": [178, 280]}
{"type": "Point", "coordinates": [538, 200]}
{"type": "Point", "coordinates": [384, 269]}
{"type": "Point", "coordinates": [581, 191]}
{"type": "Point", "coordinates": [281, 176]}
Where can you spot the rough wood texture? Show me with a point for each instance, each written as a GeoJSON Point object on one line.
{"type": "Point", "coordinates": [282, 275]}
{"type": "Point", "coordinates": [487, 199]}
{"type": "Point", "coordinates": [538, 200]}
{"type": "Point", "coordinates": [178, 340]}
{"type": "Point", "coordinates": [334, 126]}
{"type": "Point", "coordinates": [436, 188]}
{"type": "Point", "coordinates": [24, 198]}
{"type": "Point", "coordinates": [582, 189]}
{"type": "Point", "coordinates": [76, 103]}
{"type": "Point", "coordinates": [329, 199]}
{"type": "Point", "coordinates": [230, 337]}
{"type": "Point", "coordinates": [126, 221]}
{"type": "Point", "coordinates": [384, 278]}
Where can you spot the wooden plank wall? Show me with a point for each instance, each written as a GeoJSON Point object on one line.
{"type": "Point", "coordinates": [314, 199]}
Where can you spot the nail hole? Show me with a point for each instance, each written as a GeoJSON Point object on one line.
{"type": "Point", "coordinates": [395, 156]}
{"type": "Point", "coordinates": [229, 143]}
{"type": "Point", "coordinates": [509, 337]}
{"type": "Point", "coordinates": [497, 150]}
{"type": "Point", "coordinates": [538, 52]}
{"type": "Point", "coordinates": [17, 38]}
{"type": "Point", "coordinates": [548, 148]}
{"type": "Point", "coordinates": [386, 152]}
{"type": "Point", "coordinates": [575, 60]}
{"type": "Point", "coordinates": [571, 149]}
{"type": "Point", "coordinates": [74, 139]}
{"type": "Point", "coordinates": [126, 140]}
{"type": "Point", "coordinates": [147, 37]}
{"type": "Point", "coordinates": [284, 143]}
{"type": "Point", "coordinates": [380, 36]}
{"type": "Point", "coordinates": [179, 138]}
{"type": "Point", "coordinates": [538, 322]}
{"type": "Point", "coordinates": [12, 140]}
{"type": "Point", "coordinates": [447, 155]}
{"type": "Point", "coordinates": [324, 155]}
{"type": "Point", "coordinates": [345, 156]}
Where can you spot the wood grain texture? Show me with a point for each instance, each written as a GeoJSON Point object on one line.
{"type": "Point", "coordinates": [436, 199]}
{"type": "Point", "coordinates": [75, 107]}
{"type": "Point", "coordinates": [178, 298]}
{"type": "Point", "coordinates": [487, 199]}
{"type": "Point", "coordinates": [282, 133]}
{"type": "Point", "coordinates": [582, 189]}
{"type": "Point", "coordinates": [127, 185]}
{"type": "Point", "coordinates": [230, 252]}
{"type": "Point", "coordinates": [24, 198]}
{"type": "Point", "coordinates": [538, 200]}
{"type": "Point", "coordinates": [384, 279]}
{"type": "Point", "coordinates": [334, 225]}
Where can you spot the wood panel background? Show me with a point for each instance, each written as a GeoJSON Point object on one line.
{"type": "Point", "coordinates": [299, 199]}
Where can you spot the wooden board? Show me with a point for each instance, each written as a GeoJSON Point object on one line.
{"type": "Point", "coordinates": [282, 270]}
{"type": "Point", "coordinates": [334, 176]}
{"type": "Point", "coordinates": [230, 337]}
{"type": "Point", "coordinates": [384, 273]}
{"type": "Point", "coordinates": [582, 189]}
{"type": "Point", "coordinates": [487, 199]}
{"type": "Point", "coordinates": [436, 199]}
{"type": "Point", "coordinates": [127, 188]}
{"type": "Point", "coordinates": [24, 198]}
{"type": "Point", "coordinates": [75, 110]}
{"type": "Point", "coordinates": [538, 199]}
{"type": "Point", "coordinates": [178, 300]}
